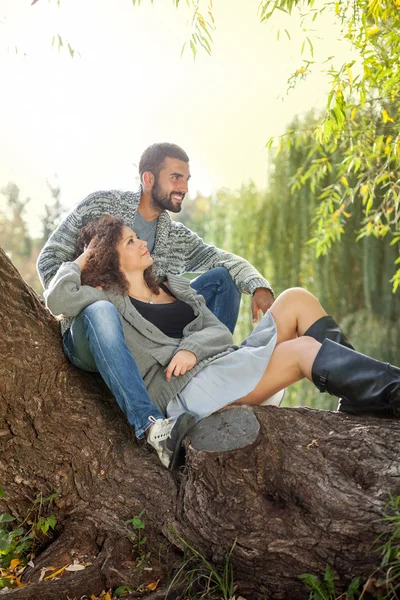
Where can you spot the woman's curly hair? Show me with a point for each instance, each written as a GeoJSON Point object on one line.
{"type": "Point", "coordinates": [102, 267]}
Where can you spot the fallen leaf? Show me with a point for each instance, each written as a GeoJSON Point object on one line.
{"type": "Point", "coordinates": [14, 564]}
{"type": "Point", "coordinates": [44, 571]}
{"type": "Point", "coordinates": [152, 586]}
{"type": "Point", "coordinates": [58, 572]}
{"type": "Point", "coordinates": [75, 567]}
{"type": "Point", "coordinates": [19, 582]}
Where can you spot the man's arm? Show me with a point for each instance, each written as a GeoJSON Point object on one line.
{"type": "Point", "coordinates": [201, 257]}
{"type": "Point", "coordinates": [61, 246]}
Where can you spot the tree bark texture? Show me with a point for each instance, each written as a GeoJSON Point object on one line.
{"type": "Point", "coordinates": [301, 489]}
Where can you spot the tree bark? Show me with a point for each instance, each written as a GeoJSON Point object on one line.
{"type": "Point", "coordinates": [296, 490]}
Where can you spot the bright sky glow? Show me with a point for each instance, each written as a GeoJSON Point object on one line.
{"type": "Point", "coordinates": [87, 120]}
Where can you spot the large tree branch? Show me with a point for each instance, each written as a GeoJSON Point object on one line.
{"type": "Point", "coordinates": [296, 489]}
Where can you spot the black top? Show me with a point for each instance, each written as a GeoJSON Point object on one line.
{"type": "Point", "coordinates": [170, 318]}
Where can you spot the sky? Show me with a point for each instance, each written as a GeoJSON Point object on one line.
{"type": "Point", "coordinates": [83, 122]}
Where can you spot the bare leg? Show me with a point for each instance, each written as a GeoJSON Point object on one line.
{"type": "Point", "coordinates": [290, 361]}
{"type": "Point", "coordinates": [294, 311]}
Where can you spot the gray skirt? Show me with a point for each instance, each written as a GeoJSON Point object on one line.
{"type": "Point", "coordinates": [230, 377]}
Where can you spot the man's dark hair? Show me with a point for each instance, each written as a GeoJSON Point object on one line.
{"type": "Point", "coordinates": [153, 157]}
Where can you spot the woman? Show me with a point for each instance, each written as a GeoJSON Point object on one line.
{"type": "Point", "coordinates": [186, 356]}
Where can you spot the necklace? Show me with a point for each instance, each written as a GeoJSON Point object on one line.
{"type": "Point", "coordinates": [149, 301]}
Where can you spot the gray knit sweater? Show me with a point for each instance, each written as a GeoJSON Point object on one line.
{"type": "Point", "coordinates": [206, 336]}
{"type": "Point", "coordinates": [177, 249]}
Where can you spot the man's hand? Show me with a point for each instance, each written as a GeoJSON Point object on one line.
{"type": "Point", "coordinates": [263, 299]}
{"type": "Point", "coordinates": [183, 361]}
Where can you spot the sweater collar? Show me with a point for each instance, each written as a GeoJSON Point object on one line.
{"type": "Point", "coordinates": [163, 224]}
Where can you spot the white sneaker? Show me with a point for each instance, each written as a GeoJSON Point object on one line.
{"type": "Point", "coordinates": [166, 436]}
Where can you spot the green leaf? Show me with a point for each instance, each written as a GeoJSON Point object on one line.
{"type": "Point", "coordinates": [311, 47]}
{"type": "Point", "coordinates": [193, 48]}
{"type": "Point", "coordinates": [354, 588]}
{"type": "Point", "coordinates": [330, 577]}
{"type": "Point", "coordinates": [52, 521]}
{"type": "Point", "coordinates": [120, 590]}
{"type": "Point", "coordinates": [6, 518]}
{"type": "Point", "coordinates": [46, 523]}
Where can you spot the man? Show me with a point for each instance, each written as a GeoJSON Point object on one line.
{"type": "Point", "coordinates": [164, 175]}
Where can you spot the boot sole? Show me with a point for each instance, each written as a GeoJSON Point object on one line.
{"type": "Point", "coordinates": [373, 411]}
{"type": "Point", "coordinates": [183, 423]}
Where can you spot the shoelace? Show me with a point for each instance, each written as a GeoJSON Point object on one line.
{"type": "Point", "coordinates": [165, 428]}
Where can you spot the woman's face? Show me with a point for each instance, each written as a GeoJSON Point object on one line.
{"type": "Point", "coordinates": [133, 253]}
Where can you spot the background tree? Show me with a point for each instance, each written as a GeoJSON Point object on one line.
{"type": "Point", "coordinates": [15, 236]}
{"type": "Point", "coordinates": [361, 120]}
{"type": "Point", "coordinates": [53, 211]}
{"type": "Point", "coordinates": [272, 230]}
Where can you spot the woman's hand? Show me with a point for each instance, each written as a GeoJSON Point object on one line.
{"type": "Point", "coordinates": [86, 254]}
{"type": "Point", "coordinates": [183, 361]}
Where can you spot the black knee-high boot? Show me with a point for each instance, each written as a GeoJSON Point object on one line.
{"type": "Point", "coordinates": [327, 328]}
{"type": "Point", "coordinates": [364, 384]}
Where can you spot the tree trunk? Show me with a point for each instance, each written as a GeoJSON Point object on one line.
{"type": "Point", "coordinates": [296, 489]}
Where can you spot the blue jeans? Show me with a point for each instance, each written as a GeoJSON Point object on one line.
{"type": "Point", "coordinates": [96, 342]}
{"type": "Point", "coordinates": [221, 295]}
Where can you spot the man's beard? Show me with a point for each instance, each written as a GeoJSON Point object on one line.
{"type": "Point", "coordinates": [161, 201]}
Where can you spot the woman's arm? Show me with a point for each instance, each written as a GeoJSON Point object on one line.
{"type": "Point", "coordinates": [211, 339]}
{"type": "Point", "coordinates": [66, 295]}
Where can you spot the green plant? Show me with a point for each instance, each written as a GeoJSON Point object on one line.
{"type": "Point", "coordinates": [120, 591]}
{"type": "Point", "coordinates": [13, 542]}
{"type": "Point", "coordinates": [390, 550]}
{"type": "Point", "coordinates": [200, 576]}
{"type": "Point", "coordinates": [20, 542]}
{"type": "Point", "coordinates": [325, 589]}
{"type": "Point", "coordinates": [384, 582]}
{"type": "Point", "coordinates": [138, 540]}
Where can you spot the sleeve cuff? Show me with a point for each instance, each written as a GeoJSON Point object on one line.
{"type": "Point", "coordinates": [192, 347]}
{"type": "Point", "coordinates": [258, 283]}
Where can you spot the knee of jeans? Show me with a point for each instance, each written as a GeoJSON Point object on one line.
{"type": "Point", "coordinates": [224, 278]}
{"type": "Point", "coordinates": [103, 317]}
{"type": "Point", "coordinates": [100, 309]}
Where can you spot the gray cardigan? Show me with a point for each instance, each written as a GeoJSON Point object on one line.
{"type": "Point", "coordinates": [206, 336]}
{"type": "Point", "coordinates": [177, 249]}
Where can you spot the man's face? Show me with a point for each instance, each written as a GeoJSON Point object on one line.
{"type": "Point", "coordinates": [171, 185]}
